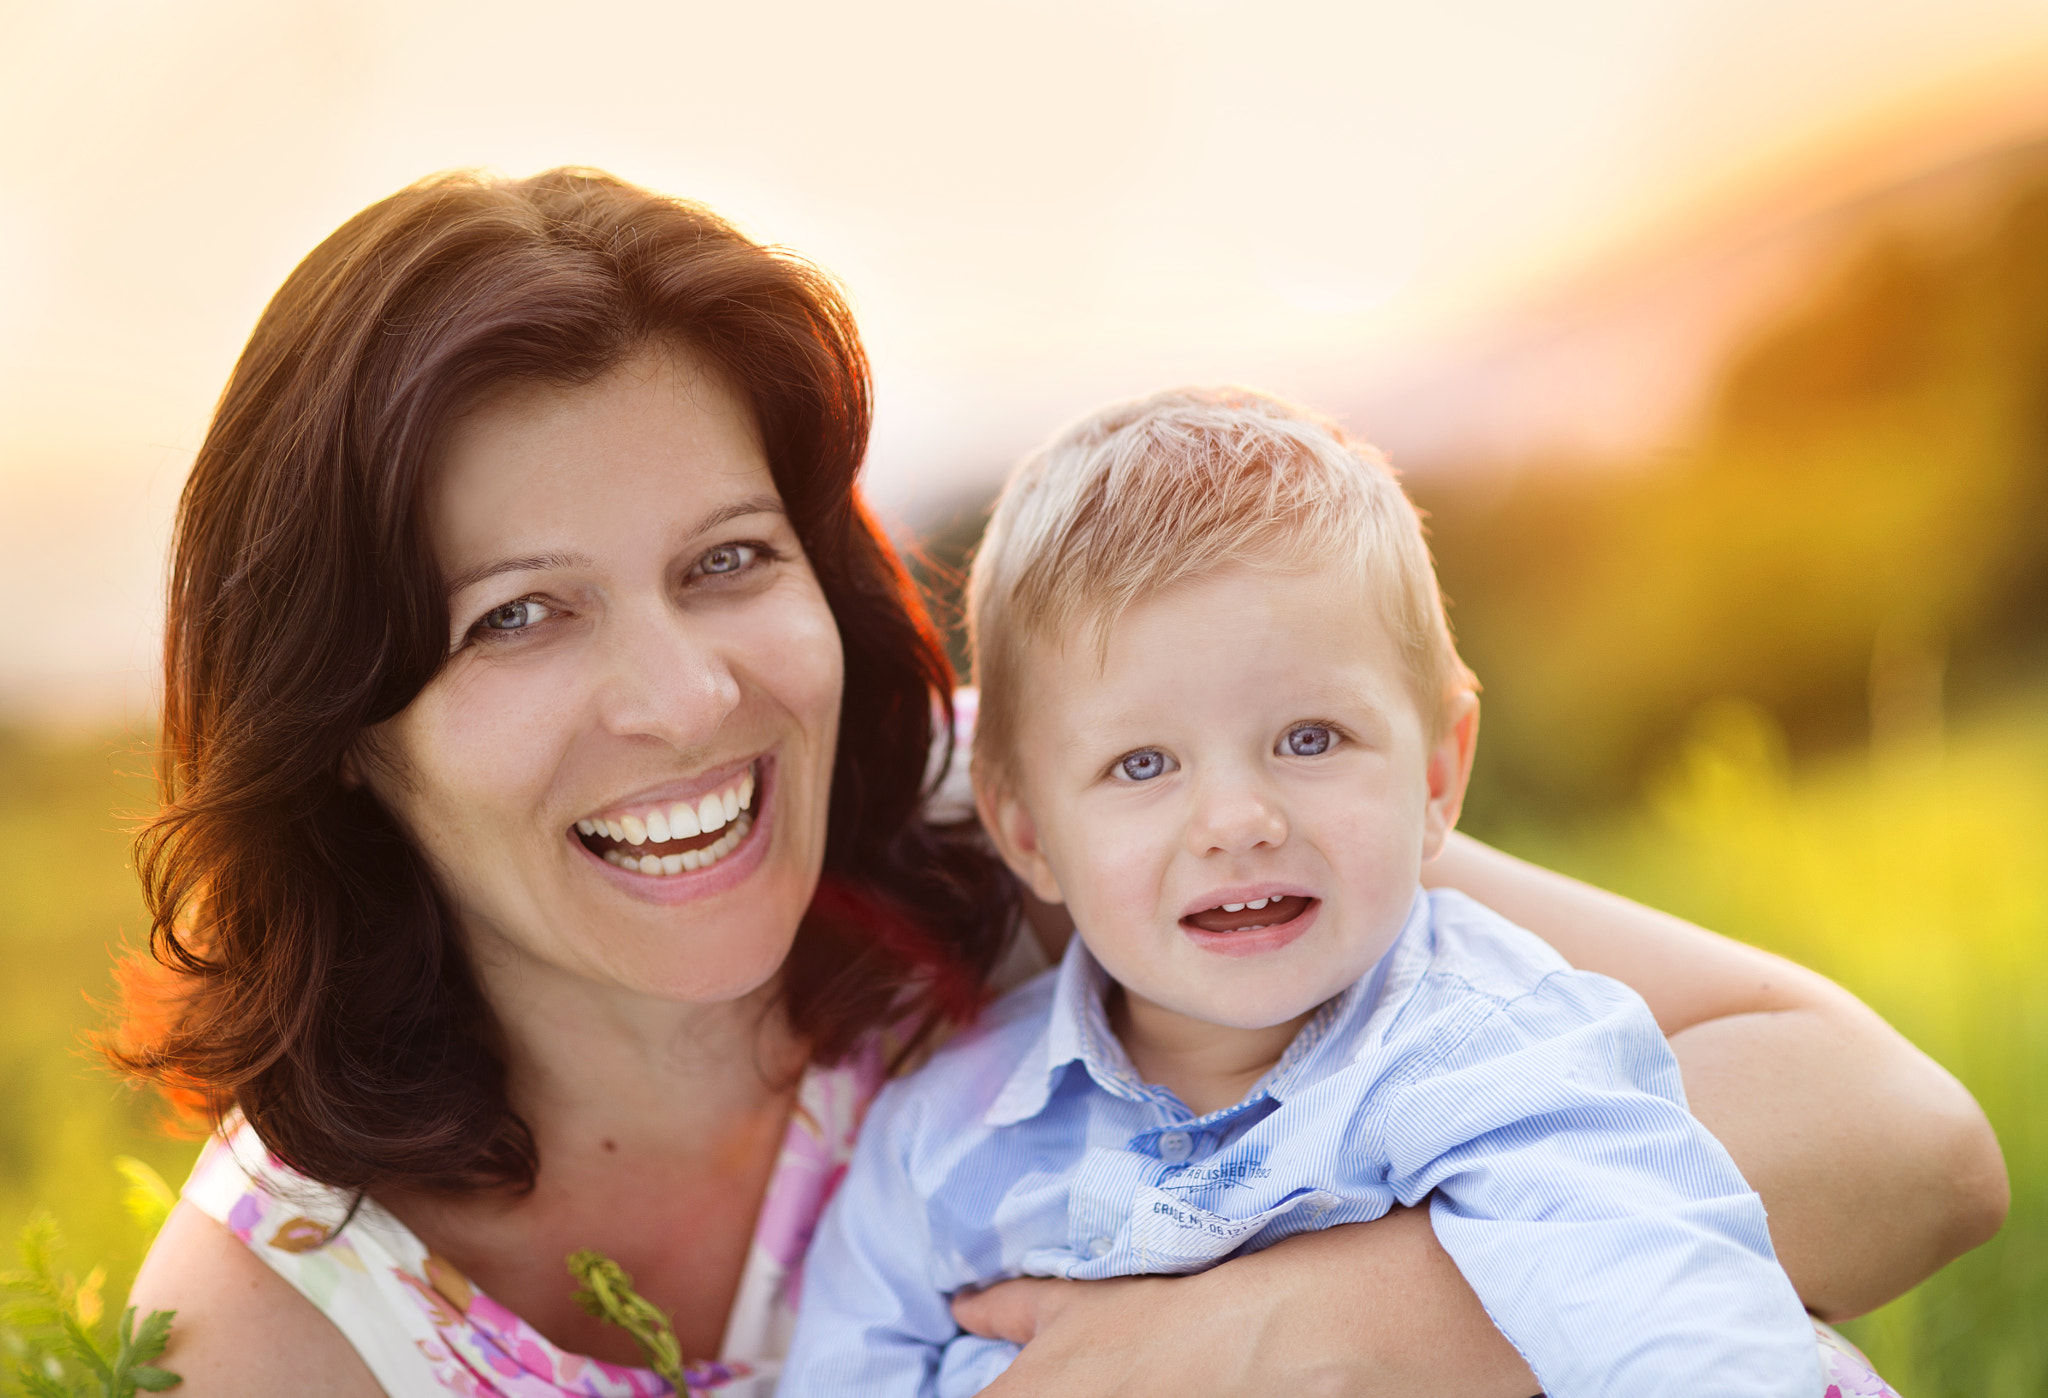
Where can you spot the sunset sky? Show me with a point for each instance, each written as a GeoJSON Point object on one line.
{"type": "Point", "coordinates": [1035, 206]}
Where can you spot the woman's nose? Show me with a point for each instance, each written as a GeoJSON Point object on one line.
{"type": "Point", "coordinates": [1234, 815]}
{"type": "Point", "coordinates": [665, 678]}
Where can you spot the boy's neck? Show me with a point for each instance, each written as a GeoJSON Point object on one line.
{"type": "Point", "coordinates": [1208, 1066]}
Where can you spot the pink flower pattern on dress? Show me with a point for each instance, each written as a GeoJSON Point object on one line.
{"type": "Point", "coordinates": [815, 1152]}
{"type": "Point", "coordinates": [1848, 1373]}
{"type": "Point", "coordinates": [425, 1324]}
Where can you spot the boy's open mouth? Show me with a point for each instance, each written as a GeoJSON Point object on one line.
{"type": "Point", "coordinates": [1247, 917]}
{"type": "Point", "coordinates": [675, 837]}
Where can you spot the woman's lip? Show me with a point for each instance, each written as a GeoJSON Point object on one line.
{"type": "Point", "coordinates": [693, 884]}
{"type": "Point", "coordinates": [685, 789]}
{"type": "Point", "coordinates": [1255, 941]}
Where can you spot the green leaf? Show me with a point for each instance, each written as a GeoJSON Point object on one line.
{"type": "Point", "coordinates": [153, 1380]}
{"type": "Point", "coordinates": [85, 1349]}
{"type": "Point", "coordinates": [43, 1386]}
{"type": "Point", "coordinates": [51, 1325]}
{"type": "Point", "coordinates": [148, 1199]}
{"type": "Point", "coordinates": [153, 1334]}
{"type": "Point", "coordinates": [607, 1293]}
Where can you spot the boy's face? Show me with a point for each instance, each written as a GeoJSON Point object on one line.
{"type": "Point", "coordinates": [1250, 736]}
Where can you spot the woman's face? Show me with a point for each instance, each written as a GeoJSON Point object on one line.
{"type": "Point", "coordinates": [622, 773]}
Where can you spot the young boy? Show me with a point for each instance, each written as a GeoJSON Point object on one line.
{"type": "Point", "coordinates": [1223, 722]}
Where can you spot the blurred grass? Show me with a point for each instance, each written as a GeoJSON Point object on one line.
{"type": "Point", "coordinates": [1917, 876]}
{"type": "Point", "coordinates": [67, 900]}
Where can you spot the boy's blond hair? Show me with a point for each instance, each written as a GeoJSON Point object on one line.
{"type": "Point", "coordinates": [1143, 495]}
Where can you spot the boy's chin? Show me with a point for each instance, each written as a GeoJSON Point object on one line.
{"type": "Point", "coordinates": [1267, 1019]}
{"type": "Point", "coordinates": [1231, 1011]}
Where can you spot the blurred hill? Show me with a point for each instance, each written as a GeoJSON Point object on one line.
{"type": "Point", "coordinates": [1804, 468]}
{"type": "Point", "coordinates": [1854, 536]}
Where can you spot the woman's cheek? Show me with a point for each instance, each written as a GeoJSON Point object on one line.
{"type": "Point", "coordinates": [797, 652]}
{"type": "Point", "coordinates": [503, 726]}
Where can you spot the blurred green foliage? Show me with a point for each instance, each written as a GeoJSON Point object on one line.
{"type": "Point", "coordinates": [55, 1325]}
{"type": "Point", "coordinates": [1917, 876]}
{"type": "Point", "coordinates": [67, 900]}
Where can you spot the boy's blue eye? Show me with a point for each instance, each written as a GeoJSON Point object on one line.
{"type": "Point", "coordinates": [1309, 740]}
{"type": "Point", "coordinates": [1143, 765]}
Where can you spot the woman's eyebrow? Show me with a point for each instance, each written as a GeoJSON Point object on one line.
{"type": "Point", "coordinates": [763, 504]}
{"type": "Point", "coordinates": [532, 563]}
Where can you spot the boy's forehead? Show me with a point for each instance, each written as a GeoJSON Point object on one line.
{"type": "Point", "coordinates": [1320, 625]}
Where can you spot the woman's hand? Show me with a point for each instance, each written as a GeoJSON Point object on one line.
{"type": "Point", "coordinates": [1372, 1309]}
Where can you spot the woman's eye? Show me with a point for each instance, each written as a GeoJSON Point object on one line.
{"type": "Point", "coordinates": [727, 558]}
{"type": "Point", "coordinates": [1309, 740]}
{"type": "Point", "coordinates": [515, 616]}
{"type": "Point", "coordinates": [1144, 765]}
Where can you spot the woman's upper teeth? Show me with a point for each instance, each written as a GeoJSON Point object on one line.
{"type": "Point", "coordinates": [680, 820]}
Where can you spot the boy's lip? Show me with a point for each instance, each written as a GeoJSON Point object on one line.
{"type": "Point", "coordinates": [1245, 893]}
{"type": "Point", "coordinates": [1254, 941]}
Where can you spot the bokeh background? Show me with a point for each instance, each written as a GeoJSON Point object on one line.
{"type": "Point", "coordinates": [1712, 333]}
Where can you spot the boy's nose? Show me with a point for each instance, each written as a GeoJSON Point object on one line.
{"type": "Point", "coordinates": [1232, 817]}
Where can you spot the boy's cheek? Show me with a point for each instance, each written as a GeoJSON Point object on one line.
{"type": "Point", "coordinates": [1111, 883]}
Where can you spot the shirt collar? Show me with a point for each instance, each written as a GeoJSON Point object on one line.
{"type": "Point", "coordinates": [1077, 1031]}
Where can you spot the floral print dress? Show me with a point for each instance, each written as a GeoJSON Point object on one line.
{"type": "Point", "coordinates": [423, 1328]}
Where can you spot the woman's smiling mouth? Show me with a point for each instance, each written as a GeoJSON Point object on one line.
{"type": "Point", "coordinates": [665, 838]}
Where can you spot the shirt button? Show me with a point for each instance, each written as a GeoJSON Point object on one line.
{"type": "Point", "coordinates": [1098, 1247]}
{"type": "Point", "coordinates": [1175, 1146]}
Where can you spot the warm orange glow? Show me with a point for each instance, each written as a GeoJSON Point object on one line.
{"type": "Point", "coordinates": [1035, 207]}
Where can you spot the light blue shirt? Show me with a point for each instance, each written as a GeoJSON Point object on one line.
{"type": "Point", "coordinates": [1537, 1108]}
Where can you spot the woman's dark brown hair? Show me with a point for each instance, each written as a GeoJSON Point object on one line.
{"type": "Point", "coordinates": [311, 971]}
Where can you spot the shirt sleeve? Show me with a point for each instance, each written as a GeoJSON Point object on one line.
{"type": "Point", "coordinates": [1608, 1235]}
{"type": "Point", "coordinates": [870, 1321]}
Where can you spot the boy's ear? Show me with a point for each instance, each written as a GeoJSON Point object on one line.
{"type": "Point", "coordinates": [1011, 826]}
{"type": "Point", "coordinates": [1450, 768]}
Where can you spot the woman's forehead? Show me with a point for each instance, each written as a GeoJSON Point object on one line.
{"type": "Point", "coordinates": [654, 449]}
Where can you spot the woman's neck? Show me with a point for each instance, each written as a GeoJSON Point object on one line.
{"type": "Point", "coordinates": [586, 1062]}
{"type": "Point", "coordinates": [657, 1126]}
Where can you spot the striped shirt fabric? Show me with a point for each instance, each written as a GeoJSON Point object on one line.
{"type": "Point", "coordinates": [1537, 1108]}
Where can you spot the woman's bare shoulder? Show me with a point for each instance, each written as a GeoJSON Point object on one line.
{"type": "Point", "coordinates": [241, 1329]}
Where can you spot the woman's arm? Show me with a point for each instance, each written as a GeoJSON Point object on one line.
{"type": "Point", "coordinates": [1875, 1165]}
{"type": "Point", "coordinates": [1369, 1310]}
{"type": "Point", "coordinates": [240, 1328]}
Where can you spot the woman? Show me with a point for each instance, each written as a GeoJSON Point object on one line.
{"type": "Point", "coordinates": [541, 866]}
